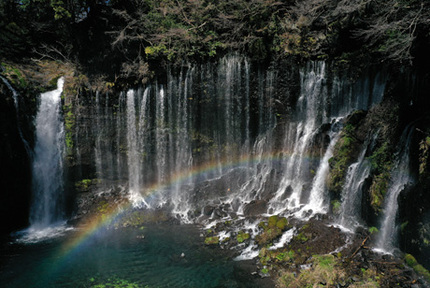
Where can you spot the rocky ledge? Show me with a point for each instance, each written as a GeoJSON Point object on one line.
{"type": "Point", "coordinates": [281, 252]}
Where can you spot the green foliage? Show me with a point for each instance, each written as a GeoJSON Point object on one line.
{"type": "Point", "coordinates": [336, 205]}
{"type": "Point", "coordinates": [343, 156]}
{"type": "Point", "coordinates": [201, 29]}
{"type": "Point", "coordinates": [284, 256]}
{"type": "Point", "coordinates": [381, 158]}
{"type": "Point", "coordinates": [15, 76]}
{"type": "Point", "coordinates": [373, 230]}
{"type": "Point", "coordinates": [60, 10]}
{"type": "Point", "coordinates": [325, 261]}
{"type": "Point", "coordinates": [381, 162]}
{"type": "Point", "coordinates": [324, 270]}
{"type": "Point", "coordinates": [379, 189]}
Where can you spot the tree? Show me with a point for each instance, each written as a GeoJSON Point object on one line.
{"type": "Point", "coordinates": [393, 25]}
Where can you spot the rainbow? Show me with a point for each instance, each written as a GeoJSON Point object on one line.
{"type": "Point", "coordinates": [98, 222]}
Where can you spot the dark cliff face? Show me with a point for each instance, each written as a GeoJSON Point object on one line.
{"type": "Point", "coordinates": [15, 171]}
{"type": "Point", "coordinates": [98, 154]}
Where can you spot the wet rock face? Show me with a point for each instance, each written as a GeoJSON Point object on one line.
{"type": "Point", "coordinates": [255, 208]}
{"type": "Point", "coordinates": [15, 172]}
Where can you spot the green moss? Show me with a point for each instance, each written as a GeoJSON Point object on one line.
{"type": "Point", "coordinates": [380, 159]}
{"type": "Point", "coordinates": [324, 270]}
{"type": "Point", "coordinates": [214, 240]}
{"type": "Point", "coordinates": [422, 271]}
{"type": "Point", "coordinates": [282, 223]}
{"type": "Point", "coordinates": [301, 237]}
{"type": "Point", "coordinates": [336, 205]}
{"type": "Point", "coordinates": [381, 162]}
{"type": "Point", "coordinates": [84, 184]}
{"type": "Point", "coordinates": [272, 221]}
{"type": "Point", "coordinates": [378, 189]}
{"type": "Point", "coordinates": [15, 76]}
{"type": "Point", "coordinates": [418, 268]}
{"type": "Point", "coordinates": [325, 261]}
{"type": "Point", "coordinates": [242, 236]}
{"type": "Point", "coordinates": [272, 229]}
{"type": "Point", "coordinates": [410, 260]}
{"type": "Point", "coordinates": [343, 156]}
{"type": "Point", "coordinates": [103, 207]}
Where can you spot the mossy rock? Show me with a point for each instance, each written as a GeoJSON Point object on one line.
{"type": "Point", "coordinates": [214, 240]}
{"type": "Point", "coordinates": [344, 154]}
{"type": "Point", "coordinates": [282, 223]}
{"type": "Point", "coordinates": [16, 77]}
{"type": "Point", "coordinates": [272, 229]}
{"type": "Point", "coordinates": [276, 221]}
{"type": "Point", "coordinates": [85, 184]}
{"type": "Point", "coordinates": [378, 189]}
{"type": "Point", "coordinates": [418, 268]}
{"type": "Point", "coordinates": [242, 237]}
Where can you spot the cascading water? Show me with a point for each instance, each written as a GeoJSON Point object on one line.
{"type": "Point", "coordinates": [134, 179]}
{"type": "Point", "coordinates": [14, 93]}
{"type": "Point", "coordinates": [47, 207]}
{"type": "Point", "coordinates": [400, 177]}
{"type": "Point", "coordinates": [298, 136]}
{"type": "Point", "coordinates": [318, 196]}
{"type": "Point", "coordinates": [206, 139]}
{"type": "Point", "coordinates": [317, 105]}
{"type": "Point", "coordinates": [16, 103]}
{"type": "Point", "coordinates": [350, 210]}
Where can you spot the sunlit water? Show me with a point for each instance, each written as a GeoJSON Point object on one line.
{"type": "Point", "coordinates": [157, 256]}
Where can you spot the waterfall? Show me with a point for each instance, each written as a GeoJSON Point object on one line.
{"type": "Point", "coordinates": [181, 143]}
{"type": "Point", "coordinates": [14, 93]}
{"type": "Point", "coordinates": [47, 207]}
{"type": "Point", "coordinates": [350, 209]}
{"type": "Point", "coordinates": [134, 175]}
{"type": "Point", "coordinates": [161, 135]}
{"type": "Point", "coordinates": [400, 177]}
{"type": "Point", "coordinates": [318, 195]}
{"type": "Point", "coordinates": [16, 103]}
{"type": "Point", "coordinates": [299, 189]}
{"type": "Point", "coordinates": [297, 139]}
{"type": "Point", "coordinates": [206, 138]}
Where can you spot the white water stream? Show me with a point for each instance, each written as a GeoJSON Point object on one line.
{"type": "Point", "coordinates": [47, 209]}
